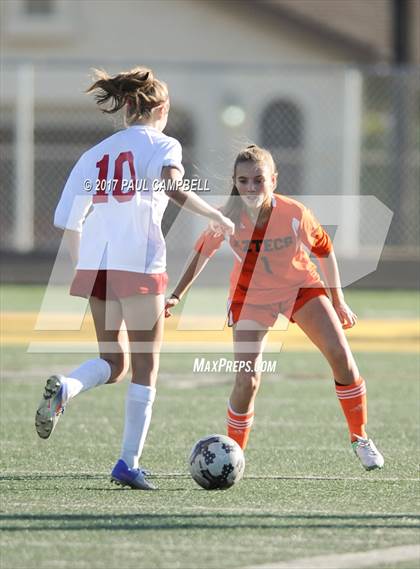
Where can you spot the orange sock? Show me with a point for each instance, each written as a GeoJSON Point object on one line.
{"type": "Point", "coordinates": [239, 426]}
{"type": "Point", "coordinates": [354, 403]}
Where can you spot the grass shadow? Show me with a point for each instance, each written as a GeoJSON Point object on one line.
{"type": "Point", "coordinates": [206, 521]}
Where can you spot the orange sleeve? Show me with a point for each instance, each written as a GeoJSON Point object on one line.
{"type": "Point", "coordinates": [208, 243]}
{"type": "Point", "coordinates": [314, 235]}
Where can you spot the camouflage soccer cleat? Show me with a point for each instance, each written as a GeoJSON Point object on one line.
{"type": "Point", "coordinates": [50, 408]}
{"type": "Point", "coordinates": [133, 477]}
{"type": "Point", "coordinates": [368, 454]}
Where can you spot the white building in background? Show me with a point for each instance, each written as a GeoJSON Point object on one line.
{"type": "Point", "coordinates": [238, 71]}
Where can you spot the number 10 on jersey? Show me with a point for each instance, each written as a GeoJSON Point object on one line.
{"type": "Point", "coordinates": [114, 186]}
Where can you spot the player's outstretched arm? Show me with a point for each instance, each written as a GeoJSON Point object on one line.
{"type": "Point", "coordinates": [192, 202]}
{"type": "Point", "coordinates": [194, 266]}
{"type": "Point", "coordinates": [329, 268]}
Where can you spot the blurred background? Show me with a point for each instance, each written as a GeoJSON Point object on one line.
{"type": "Point", "coordinates": [331, 87]}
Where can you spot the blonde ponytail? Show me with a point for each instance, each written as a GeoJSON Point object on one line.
{"type": "Point", "coordinates": [137, 90]}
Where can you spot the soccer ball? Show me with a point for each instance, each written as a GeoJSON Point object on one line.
{"type": "Point", "coordinates": [216, 462]}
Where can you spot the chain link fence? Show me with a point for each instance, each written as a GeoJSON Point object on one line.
{"type": "Point", "coordinates": [331, 130]}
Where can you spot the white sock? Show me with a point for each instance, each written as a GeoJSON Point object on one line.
{"type": "Point", "coordinates": [90, 374]}
{"type": "Point", "coordinates": [138, 414]}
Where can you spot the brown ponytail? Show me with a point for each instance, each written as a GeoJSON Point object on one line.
{"type": "Point", "coordinates": [136, 89]}
{"type": "Point", "coordinates": [234, 206]}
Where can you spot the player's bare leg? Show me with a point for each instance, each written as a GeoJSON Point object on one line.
{"type": "Point", "coordinates": [249, 340]}
{"type": "Point", "coordinates": [110, 367]}
{"type": "Point", "coordinates": [318, 319]}
{"type": "Point", "coordinates": [144, 318]}
{"type": "Point", "coordinates": [112, 337]}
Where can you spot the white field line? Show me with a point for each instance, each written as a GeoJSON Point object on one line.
{"type": "Point", "coordinates": [365, 478]}
{"type": "Point", "coordinates": [88, 475]}
{"type": "Point", "coordinates": [373, 558]}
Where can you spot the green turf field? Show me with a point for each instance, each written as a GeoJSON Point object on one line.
{"type": "Point", "coordinates": [304, 493]}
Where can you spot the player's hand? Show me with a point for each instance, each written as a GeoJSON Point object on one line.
{"type": "Point", "coordinates": [214, 227]}
{"type": "Point", "coordinates": [222, 225]}
{"type": "Point", "coordinates": [346, 315]}
{"type": "Point", "coordinates": [171, 302]}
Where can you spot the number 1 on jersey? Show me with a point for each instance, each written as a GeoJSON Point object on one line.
{"type": "Point", "coordinates": [266, 264]}
{"type": "Point", "coordinates": [101, 191]}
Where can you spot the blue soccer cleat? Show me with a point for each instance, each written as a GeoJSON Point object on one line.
{"type": "Point", "coordinates": [133, 477]}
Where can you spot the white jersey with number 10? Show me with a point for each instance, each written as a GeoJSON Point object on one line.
{"type": "Point", "coordinates": [112, 197]}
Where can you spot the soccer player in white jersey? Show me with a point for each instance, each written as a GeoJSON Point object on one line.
{"type": "Point", "coordinates": [111, 210]}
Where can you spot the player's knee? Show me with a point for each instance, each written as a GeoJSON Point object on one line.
{"type": "Point", "coordinates": [341, 358]}
{"type": "Point", "coordinates": [145, 367]}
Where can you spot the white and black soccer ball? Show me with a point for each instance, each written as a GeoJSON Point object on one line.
{"type": "Point", "coordinates": [216, 462]}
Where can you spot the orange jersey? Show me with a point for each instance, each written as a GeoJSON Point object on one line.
{"type": "Point", "coordinates": [272, 262]}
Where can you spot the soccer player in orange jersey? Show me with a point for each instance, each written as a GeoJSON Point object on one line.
{"type": "Point", "coordinates": [272, 275]}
